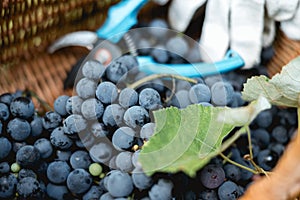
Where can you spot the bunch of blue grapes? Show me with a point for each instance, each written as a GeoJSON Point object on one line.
{"type": "Point", "coordinates": [87, 146]}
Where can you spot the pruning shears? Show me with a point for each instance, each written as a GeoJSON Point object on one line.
{"type": "Point", "coordinates": [105, 43]}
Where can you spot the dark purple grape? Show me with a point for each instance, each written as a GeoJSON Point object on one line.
{"type": "Point", "coordinates": [8, 186]}
{"type": "Point", "coordinates": [228, 191]}
{"type": "Point", "coordinates": [19, 129]}
{"type": "Point", "coordinates": [22, 107]}
{"type": "Point", "coordinates": [79, 181]}
{"type": "Point", "coordinates": [6, 146]}
{"type": "Point", "coordinates": [212, 176]}
{"type": "Point", "coordinates": [28, 156]}
{"type": "Point", "coordinates": [4, 112]}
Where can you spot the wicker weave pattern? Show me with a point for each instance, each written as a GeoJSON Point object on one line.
{"type": "Point", "coordinates": [285, 50]}
{"type": "Point", "coordinates": [28, 26]}
{"type": "Point", "coordinates": [28, 65]}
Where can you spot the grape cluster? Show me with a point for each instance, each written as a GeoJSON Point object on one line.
{"type": "Point", "coordinates": [87, 147]}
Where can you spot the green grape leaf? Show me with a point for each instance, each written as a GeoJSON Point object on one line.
{"type": "Point", "coordinates": [186, 139]}
{"type": "Point", "coordinates": [244, 115]}
{"type": "Point", "coordinates": [283, 89]}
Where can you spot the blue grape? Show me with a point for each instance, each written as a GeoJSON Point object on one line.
{"type": "Point", "coordinates": [101, 152]}
{"type": "Point", "coordinates": [36, 126]}
{"type": "Point", "coordinates": [85, 88]}
{"type": "Point", "coordinates": [232, 172]}
{"type": "Point", "coordinates": [136, 116]}
{"type": "Point", "coordinates": [208, 195]}
{"type": "Point", "coordinates": [128, 97]}
{"type": "Point", "coordinates": [19, 129]}
{"type": "Point", "coordinates": [5, 147]}
{"type": "Point", "coordinates": [93, 69]}
{"type": "Point", "coordinates": [6, 98]}
{"type": "Point", "coordinates": [228, 191]}
{"type": "Point", "coordinates": [18, 145]}
{"type": "Point", "coordinates": [30, 188]}
{"type": "Point", "coordinates": [143, 46]}
{"type": "Point", "coordinates": [161, 190]}
{"type": "Point", "coordinates": [267, 159]}
{"type": "Point", "coordinates": [210, 80]}
{"type": "Point", "coordinates": [58, 171]}
{"type": "Point", "coordinates": [44, 146]}
{"type": "Point", "coordinates": [113, 115]}
{"type": "Point", "coordinates": [199, 93]}
{"type": "Point", "coordinates": [112, 163]}
{"type": "Point", "coordinates": [92, 109]}
{"type": "Point", "coordinates": [159, 54]}
{"type": "Point", "coordinates": [23, 173]}
{"type": "Point", "coordinates": [1, 127]}
{"type": "Point", "coordinates": [158, 28]}
{"type": "Point", "coordinates": [56, 191]}
{"type": "Point", "coordinates": [205, 104]}
{"type": "Point", "coordinates": [262, 137]}
{"type": "Point", "coordinates": [22, 107]}
{"type": "Point", "coordinates": [4, 112]}
{"type": "Point", "coordinates": [74, 124]}
{"type": "Point", "coordinates": [27, 155]}
{"type": "Point", "coordinates": [189, 195]}
{"type": "Point", "coordinates": [147, 130]}
{"type": "Point", "coordinates": [278, 148]}
{"type": "Point", "coordinates": [221, 93]}
{"type": "Point", "coordinates": [129, 61]}
{"type": "Point", "coordinates": [60, 105]}
{"type": "Point", "coordinates": [116, 70]}
{"type": "Point", "coordinates": [180, 99]}
{"type": "Point", "coordinates": [79, 181]}
{"type": "Point", "coordinates": [237, 100]}
{"type": "Point", "coordinates": [119, 184]}
{"type": "Point", "coordinates": [99, 130]}
{"type": "Point", "coordinates": [212, 176]}
{"type": "Point", "coordinates": [149, 98]}
{"type": "Point", "coordinates": [4, 167]}
{"type": "Point", "coordinates": [80, 159]}
{"type": "Point", "coordinates": [264, 119]}
{"type": "Point", "coordinates": [279, 133]}
{"type": "Point", "coordinates": [73, 105]}
{"type": "Point", "coordinates": [124, 161]}
{"type": "Point", "coordinates": [183, 85]}
{"type": "Point", "coordinates": [51, 120]}
{"type": "Point", "coordinates": [7, 186]}
{"type": "Point", "coordinates": [59, 139]}
{"type": "Point", "coordinates": [177, 45]}
{"type": "Point", "coordinates": [106, 196]}
{"type": "Point", "coordinates": [63, 155]}
{"type": "Point", "coordinates": [140, 179]}
{"type": "Point", "coordinates": [123, 138]}
{"type": "Point", "coordinates": [94, 192]}
{"type": "Point", "coordinates": [134, 159]}
{"type": "Point", "coordinates": [107, 92]}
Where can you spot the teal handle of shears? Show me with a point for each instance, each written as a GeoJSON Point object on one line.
{"type": "Point", "coordinates": [121, 17]}
{"type": "Point", "coordinates": [230, 62]}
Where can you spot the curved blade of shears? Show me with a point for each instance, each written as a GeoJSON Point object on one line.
{"type": "Point", "coordinates": [85, 39]}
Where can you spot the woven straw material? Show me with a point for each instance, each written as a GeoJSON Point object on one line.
{"type": "Point", "coordinates": [30, 67]}
{"type": "Point", "coordinates": [29, 26]}
{"type": "Point", "coordinates": [285, 50]}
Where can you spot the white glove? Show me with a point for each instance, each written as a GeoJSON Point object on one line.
{"type": "Point", "coordinates": [245, 26]}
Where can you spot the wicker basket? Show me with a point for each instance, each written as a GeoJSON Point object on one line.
{"type": "Point", "coordinates": [28, 27]}
{"type": "Point", "coordinates": [285, 50]}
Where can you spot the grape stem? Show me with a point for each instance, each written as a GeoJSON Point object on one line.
{"type": "Point", "coordinates": [172, 92]}
{"type": "Point", "coordinates": [44, 104]}
{"type": "Point", "coordinates": [238, 164]}
{"type": "Point", "coordinates": [156, 76]}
